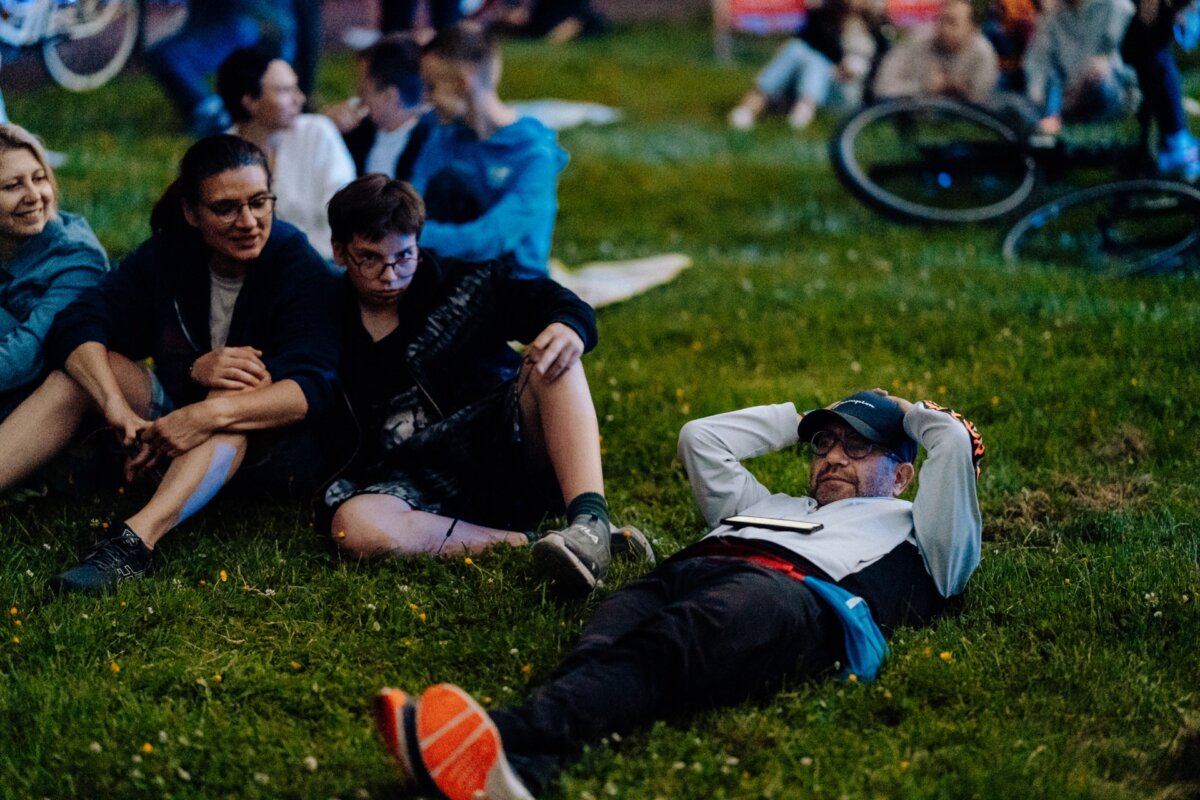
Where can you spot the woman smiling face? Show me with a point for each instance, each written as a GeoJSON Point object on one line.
{"type": "Point", "coordinates": [27, 200]}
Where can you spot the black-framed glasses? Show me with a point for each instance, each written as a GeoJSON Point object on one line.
{"type": "Point", "coordinates": [373, 265]}
{"type": "Point", "coordinates": [854, 445]}
{"type": "Point", "coordinates": [226, 211]}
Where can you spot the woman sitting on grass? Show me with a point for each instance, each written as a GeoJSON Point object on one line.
{"type": "Point", "coordinates": [828, 59]}
{"type": "Point", "coordinates": [47, 257]}
{"type": "Point", "coordinates": [305, 152]}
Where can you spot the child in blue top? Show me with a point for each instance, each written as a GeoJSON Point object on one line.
{"type": "Point", "coordinates": [489, 177]}
{"type": "Point", "coordinates": [47, 257]}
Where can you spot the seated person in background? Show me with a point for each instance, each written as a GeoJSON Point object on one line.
{"type": "Point", "coordinates": [386, 125]}
{"type": "Point", "coordinates": [489, 177]}
{"type": "Point", "coordinates": [234, 310]}
{"type": "Point", "coordinates": [463, 443]}
{"type": "Point", "coordinates": [1147, 48]}
{"type": "Point", "coordinates": [559, 21]}
{"type": "Point", "coordinates": [306, 155]}
{"type": "Point", "coordinates": [951, 60]}
{"type": "Point", "coordinates": [828, 59]}
{"type": "Point", "coordinates": [47, 257]}
{"type": "Point", "coordinates": [1072, 68]}
{"type": "Point", "coordinates": [1008, 26]}
{"type": "Point", "coordinates": [183, 62]}
{"type": "Point", "coordinates": [742, 610]}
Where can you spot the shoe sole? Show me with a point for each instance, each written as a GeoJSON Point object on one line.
{"type": "Point", "coordinates": [395, 719]}
{"type": "Point", "coordinates": [553, 559]}
{"type": "Point", "coordinates": [460, 747]}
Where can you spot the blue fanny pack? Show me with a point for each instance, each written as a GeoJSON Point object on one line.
{"type": "Point", "coordinates": [866, 648]}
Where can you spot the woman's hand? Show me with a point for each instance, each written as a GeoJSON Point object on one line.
{"type": "Point", "coordinates": [232, 368]}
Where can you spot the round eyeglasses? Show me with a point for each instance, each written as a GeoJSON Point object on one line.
{"type": "Point", "coordinates": [853, 445]}
{"type": "Point", "coordinates": [227, 211]}
{"type": "Point", "coordinates": [373, 265]}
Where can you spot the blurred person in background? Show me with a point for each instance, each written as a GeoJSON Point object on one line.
{"type": "Point", "coordinates": [952, 59]}
{"type": "Point", "coordinates": [305, 152]}
{"type": "Point", "coordinates": [826, 62]}
{"type": "Point", "coordinates": [387, 123]}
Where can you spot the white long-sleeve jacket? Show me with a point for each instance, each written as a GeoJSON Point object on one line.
{"type": "Point", "coordinates": [943, 521]}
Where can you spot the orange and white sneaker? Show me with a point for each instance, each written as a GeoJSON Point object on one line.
{"type": "Point", "coordinates": [395, 718]}
{"type": "Point", "coordinates": [460, 748]}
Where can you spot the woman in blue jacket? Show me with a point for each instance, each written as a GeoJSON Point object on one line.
{"type": "Point", "coordinates": [47, 257]}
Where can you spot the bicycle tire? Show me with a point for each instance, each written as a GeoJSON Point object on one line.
{"type": "Point", "coordinates": [1120, 228]}
{"type": "Point", "coordinates": [950, 162]}
{"type": "Point", "coordinates": [90, 42]}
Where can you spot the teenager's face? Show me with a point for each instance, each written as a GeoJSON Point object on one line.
{"type": "Point", "coordinates": [26, 197]}
{"type": "Point", "coordinates": [281, 100]}
{"type": "Point", "coordinates": [243, 238]}
{"type": "Point", "coordinates": [447, 87]}
{"type": "Point", "coordinates": [381, 271]}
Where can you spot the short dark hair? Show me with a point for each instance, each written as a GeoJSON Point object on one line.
{"type": "Point", "coordinates": [374, 206]}
{"type": "Point", "coordinates": [241, 74]}
{"type": "Point", "coordinates": [395, 60]}
{"type": "Point", "coordinates": [466, 42]}
{"type": "Point", "coordinates": [209, 156]}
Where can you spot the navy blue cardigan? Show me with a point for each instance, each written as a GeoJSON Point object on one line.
{"type": "Point", "coordinates": [156, 305]}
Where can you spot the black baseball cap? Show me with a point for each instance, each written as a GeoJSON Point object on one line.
{"type": "Point", "coordinates": [876, 417]}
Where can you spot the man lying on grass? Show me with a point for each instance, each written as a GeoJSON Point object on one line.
{"type": "Point", "coordinates": [463, 444]}
{"type": "Point", "coordinates": [231, 306]}
{"type": "Point", "coordinates": [750, 604]}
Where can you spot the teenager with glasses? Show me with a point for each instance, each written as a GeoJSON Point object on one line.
{"type": "Point", "coordinates": [232, 308]}
{"type": "Point", "coordinates": [461, 443]}
{"type": "Point", "coordinates": [735, 614]}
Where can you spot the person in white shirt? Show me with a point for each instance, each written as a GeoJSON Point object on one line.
{"type": "Point", "coordinates": [749, 605]}
{"type": "Point", "coordinates": [306, 154]}
{"type": "Point", "coordinates": [388, 121]}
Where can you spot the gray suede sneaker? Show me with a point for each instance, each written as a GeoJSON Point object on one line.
{"type": "Point", "coordinates": [577, 557]}
{"type": "Point", "coordinates": [629, 542]}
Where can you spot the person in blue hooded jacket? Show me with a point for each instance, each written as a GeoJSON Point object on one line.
{"type": "Point", "coordinates": [47, 257]}
{"type": "Point", "coordinates": [488, 176]}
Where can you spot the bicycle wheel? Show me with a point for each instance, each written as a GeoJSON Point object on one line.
{"type": "Point", "coordinates": [89, 41]}
{"type": "Point", "coordinates": [1117, 228]}
{"type": "Point", "coordinates": [933, 160]}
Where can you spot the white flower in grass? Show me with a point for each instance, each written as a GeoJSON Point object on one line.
{"type": "Point", "coordinates": [162, 737]}
{"type": "Point", "coordinates": [183, 774]}
{"type": "Point", "coordinates": [95, 747]}
{"type": "Point", "coordinates": [310, 763]}
{"type": "Point", "coordinates": [262, 778]}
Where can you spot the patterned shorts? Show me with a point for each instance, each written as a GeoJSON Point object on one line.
{"type": "Point", "coordinates": [471, 465]}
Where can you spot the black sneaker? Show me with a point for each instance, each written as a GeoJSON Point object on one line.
{"type": "Point", "coordinates": [106, 563]}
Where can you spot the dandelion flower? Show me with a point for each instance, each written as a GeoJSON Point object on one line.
{"type": "Point", "coordinates": [16, 640]}
{"type": "Point", "coordinates": [13, 611]}
{"type": "Point", "coordinates": [147, 747]}
{"type": "Point", "coordinates": [296, 665]}
{"type": "Point", "coordinates": [341, 534]}
{"type": "Point", "coordinates": [945, 655]}
{"type": "Point", "coordinates": [468, 561]}
{"type": "Point", "coordinates": [421, 616]}
{"type": "Point", "coordinates": [203, 582]}
{"type": "Point", "coordinates": [904, 765]}
{"type": "Point", "coordinates": [852, 678]}
{"type": "Point", "coordinates": [224, 576]}
{"type": "Point", "coordinates": [17, 622]}
{"type": "Point", "coordinates": [527, 668]}
{"type": "Point", "coordinates": [217, 677]}
{"type": "Point", "coordinates": [115, 667]}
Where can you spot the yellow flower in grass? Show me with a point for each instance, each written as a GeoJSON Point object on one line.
{"type": "Point", "coordinates": [527, 668]}
{"type": "Point", "coordinates": [946, 655]}
{"type": "Point", "coordinates": [468, 561]}
{"type": "Point", "coordinates": [115, 667]}
{"type": "Point", "coordinates": [296, 665]}
{"type": "Point", "coordinates": [147, 747]}
{"type": "Point", "coordinates": [224, 576]}
{"type": "Point", "coordinates": [421, 616]}
{"type": "Point", "coordinates": [17, 622]}
{"type": "Point", "coordinates": [217, 677]}
{"type": "Point", "coordinates": [16, 640]}
{"type": "Point", "coordinates": [13, 611]}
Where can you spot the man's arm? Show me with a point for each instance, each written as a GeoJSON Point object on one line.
{"type": "Point", "coordinates": [946, 509]}
{"type": "Point", "coordinates": [713, 448]}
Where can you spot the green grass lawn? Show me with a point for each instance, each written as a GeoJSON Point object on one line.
{"type": "Point", "coordinates": [1070, 672]}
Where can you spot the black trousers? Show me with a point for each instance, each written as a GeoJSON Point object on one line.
{"type": "Point", "coordinates": [693, 633]}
